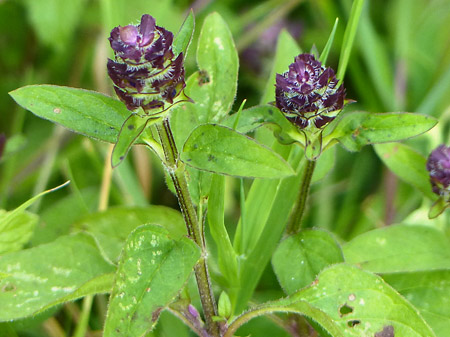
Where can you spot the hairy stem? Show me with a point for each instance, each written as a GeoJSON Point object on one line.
{"type": "Point", "coordinates": [177, 172]}
{"type": "Point", "coordinates": [295, 222]}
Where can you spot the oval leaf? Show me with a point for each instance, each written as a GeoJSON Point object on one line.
{"type": "Point", "coordinates": [222, 150]}
{"type": "Point", "coordinates": [152, 270]}
{"type": "Point", "coordinates": [299, 258]}
{"type": "Point", "coordinates": [87, 112]}
{"type": "Point", "coordinates": [184, 36]}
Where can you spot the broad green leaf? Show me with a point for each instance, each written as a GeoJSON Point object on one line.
{"type": "Point", "coordinates": [407, 164]}
{"type": "Point", "coordinates": [399, 249]}
{"type": "Point", "coordinates": [287, 50]}
{"type": "Point", "coordinates": [43, 276]}
{"type": "Point", "coordinates": [87, 112]}
{"type": "Point", "coordinates": [427, 291]}
{"type": "Point", "coordinates": [216, 209]}
{"type": "Point", "coordinates": [300, 257]}
{"type": "Point", "coordinates": [130, 131]}
{"type": "Point", "coordinates": [17, 231]}
{"type": "Point", "coordinates": [356, 129]}
{"type": "Point", "coordinates": [184, 36]}
{"type": "Point", "coordinates": [362, 304]}
{"type": "Point", "coordinates": [222, 150]}
{"type": "Point", "coordinates": [17, 226]}
{"type": "Point", "coordinates": [112, 227]}
{"type": "Point", "coordinates": [152, 270]}
{"type": "Point", "coordinates": [218, 62]}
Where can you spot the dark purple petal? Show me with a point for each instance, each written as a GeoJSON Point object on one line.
{"type": "Point", "coordinates": [129, 35]}
{"type": "Point", "coordinates": [147, 28]}
{"type": "Point", "coordinates": [307, 88]}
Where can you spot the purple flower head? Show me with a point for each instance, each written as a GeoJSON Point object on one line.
{"type": "Point", "coordinates": [438, 165]}
{"type": "Point", "coordinates": [308, 94]}
{"type": "Point", "coordinates": [145, 71]}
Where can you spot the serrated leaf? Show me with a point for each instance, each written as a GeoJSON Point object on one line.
{"type": "Point", "coordinates": [427, 291]}
{"type": "Point", "coordinates": [300, 257]}
{"type": "Point", "coordinates": [152, 270]}
{"type": "Point", "coordinates": [112, 227]}
{"type": "Point", "coordinates": [184, 36]}
{"type": "Point", "coordinates": [362, 304]}
{"type": "Point", "coordinates": [356, 129]}
{"type": "Point", "coordinates": [408, 164]}
{"type": "Point", "coordinates": [222, 150]}
{"type": "Point", "coordinates": [399, 248]}
{"type": "Point", "coordinates": [44, 276]}
{"type": "Point", "coordinates": [87, 112]}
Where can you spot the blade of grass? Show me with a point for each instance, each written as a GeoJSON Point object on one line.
{"type": "Point", "coordinates": [326, 50]}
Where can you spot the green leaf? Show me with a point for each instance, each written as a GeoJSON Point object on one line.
{"type": "Point", "coordinates": [17, 226]}
{"type": "Point", "coordinates": [326, 50]}
{"type": "Point", "coordinates": [427, 291]}
{"type": "Point", "coordinates": [362, 304]}
{"type": "Point", "coordinates": [356, 129]}
{"type": "Point", "coordinates": [222, 150]}
{"type": "Point", "coordinates": [287, 50]}
{"type": "Point", "coordinates": [44, 276]}
{"type": "Point", "coordinates": [399, 249]}
{"type": "Point", "coordinates": [407, 164]}
{"type": "Point", "coordinates": [184, 36]}
{"type": "Point", "coordinates": [349, 38]}
{"type": "Point", "coordinates": [17, 231]}
{"type": "Point", "coordinates": [130, 131]}
{"type": "Point", "coordinates": [325, 164]}
{"type": "Point", "coordinates": [87, 112]}
{"type": "Point", "coordinates": [152, 270]}
{"type": "Point", "coordinates": [112, 227]}
{"type": "Point", "coordinates": [216, 209]}
{"type": "Point", "coordinates": [299, 258]}
{"type": "Point", "coordinates": [218, 62]}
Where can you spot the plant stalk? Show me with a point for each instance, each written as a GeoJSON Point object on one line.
{"type": "Point", "coordinates": [295, 222]}
{"type": "Point", "coordinates": [177, 172]}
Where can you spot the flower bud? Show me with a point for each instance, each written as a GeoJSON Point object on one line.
{"type": "Point", "coordinates": [145, 71]}
{"type": "Point", "coordinates": [308, 94]}
{"type": "Point", "coordinates": [438, 165]}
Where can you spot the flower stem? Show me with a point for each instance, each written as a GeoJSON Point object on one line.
{"type": "Point", "coordinates": [294, 225]}
{"type": "Point", "coordinates": [177, 172]}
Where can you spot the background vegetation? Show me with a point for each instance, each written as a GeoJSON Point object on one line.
{"type": "Point", "coordinates": [400, 62]}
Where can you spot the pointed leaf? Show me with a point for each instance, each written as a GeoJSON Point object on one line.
{"type": "Point", "coordinates": [44, 276]}
{"type": "Point", "coordinates": [356, 129]}
{"type": "Point", "coordinates": [130, 131]}
{"type": "Point", "coordinates": [184, 36]}
{"type": "Point", "coordinates": [152, 270]}
{"type": "Point", "coordinates": [222, 150]}
{"type": "Point", "coordinates": [87, 112]}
